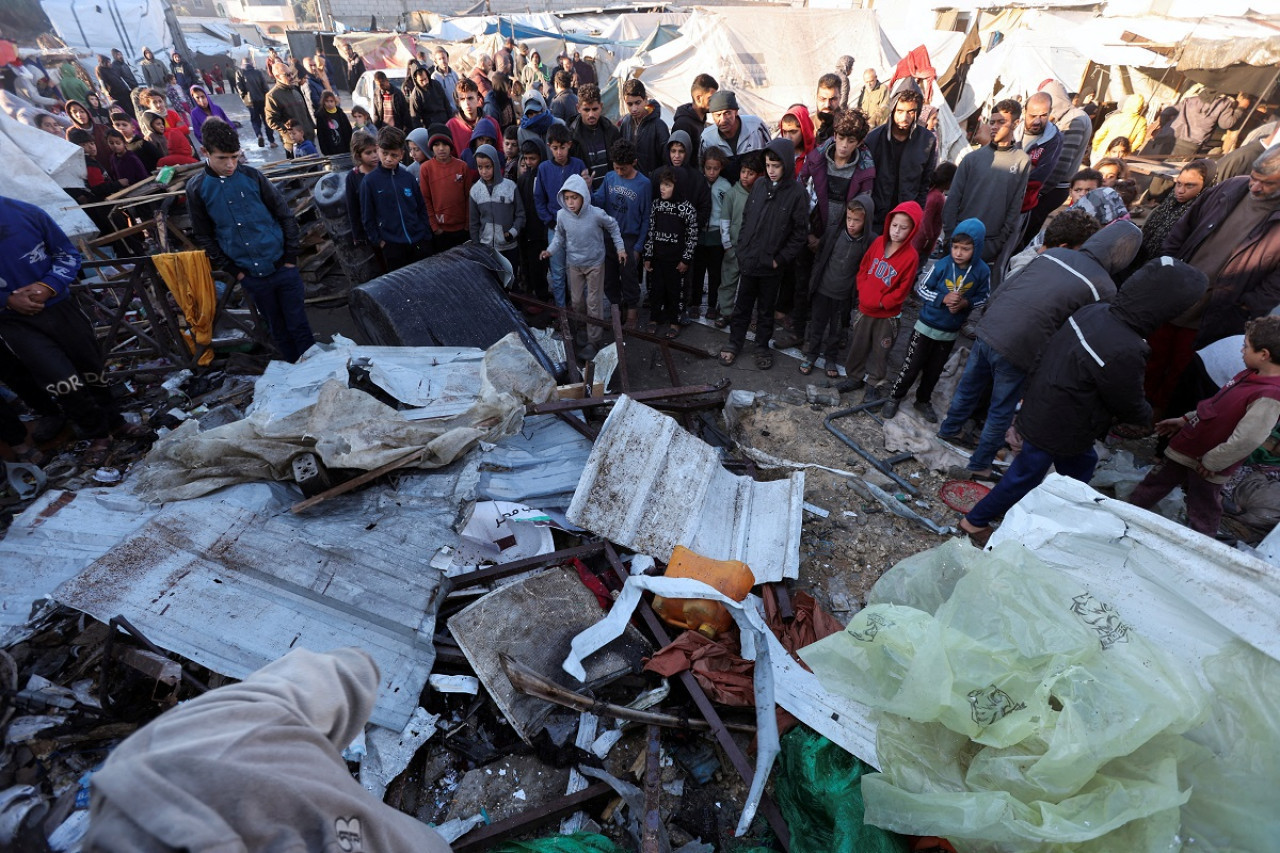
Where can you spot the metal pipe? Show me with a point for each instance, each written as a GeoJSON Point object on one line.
{"type": "Point", "coordinates": [873, 460]}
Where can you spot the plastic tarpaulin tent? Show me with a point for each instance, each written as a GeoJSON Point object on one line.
{"type": "Point", "coordinates": [770, 57]}
{"type": "Point", "coordinates": [98, 26]}
{"type": "Point", "coordinates": [37, 166]}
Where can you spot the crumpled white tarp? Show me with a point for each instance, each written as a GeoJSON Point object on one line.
{"type": "Point", "coordinates": [345, 428]}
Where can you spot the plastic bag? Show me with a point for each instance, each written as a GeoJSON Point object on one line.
{"type": "Point", "coordinates": [1014, 708]}
{"type": "Point", "coordinates": [818, 787]}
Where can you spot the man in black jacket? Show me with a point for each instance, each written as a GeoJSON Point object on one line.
{"type": "Point", "coordinates": [1090, 376]}
{"type": "Point", "coordinates": [252, 87]}
{"type": "Point", "coordinates": [593, 134]}
{"type": "Point", "coordinates": [904, 152]}
{"type": "Point", "coordinates": [692, 117]}
{"type": "Point", "coordinates": [428, 103]}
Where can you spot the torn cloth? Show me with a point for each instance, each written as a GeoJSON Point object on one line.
{"type": "Point", "coordinates": [190, 280]}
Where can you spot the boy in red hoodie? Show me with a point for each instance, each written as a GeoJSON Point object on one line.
{"type": "Point", "coordinates": [885, 277]}
{"type": "Point", "coordinates": [1209, 443]}
{"type": "Point", "coordinates": [446, 186]}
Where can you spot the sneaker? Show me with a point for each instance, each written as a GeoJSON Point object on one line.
{"type": "Point", "coordinates": [713, 314]}
{"type": "Point", "coordinates": [926, 411]}
{"type": "Point", "coordinates": [850, 385]}
{"type": "Point", "coordinates": [889, 409]}
{"type": "Point", "coordinates": [874, 394]}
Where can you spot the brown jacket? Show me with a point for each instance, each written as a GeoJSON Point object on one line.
{"type": "Point", "coordinates": [284, 103]}
{"type": "Point", "coordinates": [1249, 284]}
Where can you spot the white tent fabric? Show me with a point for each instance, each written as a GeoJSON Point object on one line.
{"type": "Point", "coordinates": [638, 25]}
{"type": "Point", "coordinates": [770, 57]}
{"type": "Point", "coordinates": [97, 26]}
{"type": "Point", "coordinates": [1017, 66]}
{"type": "Point", "coordinates": [36, 167]}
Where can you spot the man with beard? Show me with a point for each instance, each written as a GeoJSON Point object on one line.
{"type": "Point", "coordinates": [905, 154]}
{"type": "Point", "coordinates": [692, 117]}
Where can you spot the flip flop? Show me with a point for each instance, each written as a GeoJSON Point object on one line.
{"type": "Point", "coordinates": [833, 373]}
{"type": "Point", "coordinates": [672, 333]}
{"type": "Point", "coordinates": [764, 361]}
{"type": "Point", "coordinates": [728, 358]}
{"type": "Point", "coordinates": [806, 367]}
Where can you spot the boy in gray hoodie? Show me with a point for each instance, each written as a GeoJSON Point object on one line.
{"type": "Point", "coordinates": [577, 234]}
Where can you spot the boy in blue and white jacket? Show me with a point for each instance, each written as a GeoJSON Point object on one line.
{"type": "Point", "coordinates": [497, 212]}
{"type": "Point", "coordinates": [958, 284]}
{"type": "Point", "coordinates": [578, 236]}
{"type": "Point", "coordinates": [625, 195]}
{"type": "Point", "coordinates": [392, 211]}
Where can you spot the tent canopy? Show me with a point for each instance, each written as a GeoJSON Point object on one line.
{"type": "Point", "coordinates": [129, 25]}
{"type": "Point", "coordinates": [770, 57]}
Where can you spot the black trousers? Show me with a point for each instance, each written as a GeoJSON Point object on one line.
{"type": "Point", "coordinates": [664, 291]}
{"type": "Point", "coordinates": [535, 268]}
{"type": "Point", "coordinates": [444, 240]}
{"type": "Point", "coordinates": [14, 374]}
{"type": "Point", "coordinates": [707, 263]}
{"type": "Point", "coordinates": [397, 255]}
{"type": "Point", "coordinates": [827, 326]}
{"type": "Point", "coordinates": [59, 349]}
{"type": "Point", "coordinates": [757, 293]}
{"type": "Point", "coordinates": [925, 359]}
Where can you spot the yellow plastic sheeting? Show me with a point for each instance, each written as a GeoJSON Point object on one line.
{"type": "Point", "coordinates": [190, 280]}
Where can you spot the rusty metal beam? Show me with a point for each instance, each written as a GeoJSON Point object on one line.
{"type": "Point", "coordinates": [651, 829]}
{"type": "Point", "coordinates": [584, 318]}
{"type": "Point", "coordinates": [516, 566]}
{"type": "Point", "coordinates": [485, 838]}
{"type": "Point", "coordinates": [652, 394]}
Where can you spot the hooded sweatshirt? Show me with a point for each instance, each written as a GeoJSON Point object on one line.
{"type": "Point", "coordinates": [691, 186]}
{"type": "Point", "coordinates": [420, 137]}
{"type": "Point", "coordinates": [686, 118]}
{"type": "Point", "coordinates": [579, 234]}
{"type": "Point", "coordinates": [972, 281]}
{"type": "Point", "coordinates": [835, 269]}
{"type": "Point", "coordinates": [445, 186]}
{"type": "Point", "coordinates": [427, 102]}
{"type": "Point", "coordinates": [801, 116]}
{"type": "Point", "coordinates": [775, 220]}
{"type": "Point", "coordinates": [1043, 151]}
{"type": "Point", "coordinates": [885, 280]}
{"type": "Point", "coordinates": [1128, 121]}
{"type": "Point", "coordinates": [990, 184]}
{"type": "Point", "coordinates": [485, 128]}
{"type": "Point", "coordinates": [1093, 367]}
{"type": "Point", "coordinates": [551, 178]}
{"type": "Point", "coordinates": [904, 169]}
{"type": "Point", "coordinates": [1076, 129]}
{"type": "Point", "coordinates": [333, 131]}
{"type": "Point", "coordinates": [534, 126]}
{"type": "Point", "coordinates": [1031, 306]}
{"type": "Point", "coordinates": [836, 185]}
{"type": "Point", "coordinates": [673, 231]}
{"type": "Point", "coordinates": [200, 115]}
{"type": "Point", "coordinates": [628, 202]}
{"type": "Point", "coordinates": [73, 88]}
{"type": "Point", "coordinates": [497, 212]}
{"type": "Point", "coordinates": [254, 766]}
{"type": "Point", "coordinates": [34, 248]}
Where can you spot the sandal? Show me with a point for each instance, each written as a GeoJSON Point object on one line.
{"type": "Point", "coordinates": [650, 328]}
{"type": "Point", "coordinates": [672, 333]}
{"type": "Point", "coordinates": [95, 455]}
{"type": "Point", "coordinates": [721, 322]}
{"type": "Point", "coordinates": [727, 357]}
{"type": "Point", "coordinates": [806, 367]}
{"type": "Point", "coordinates": [833, 372]}
{"type": "Point", "coordinates": [764, 361]}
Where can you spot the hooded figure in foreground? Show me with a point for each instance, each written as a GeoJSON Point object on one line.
{"type": "Point", "coordinates": [254, 766]}
{"type": "Point", "coordinates": [1089, 377]}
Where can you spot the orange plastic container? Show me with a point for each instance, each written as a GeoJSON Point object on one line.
{"type": "Point", "coordinates": [709, 618]}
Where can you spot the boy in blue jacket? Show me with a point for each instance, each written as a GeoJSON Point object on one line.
{"type": "Point", "coordinates": [391, 206]}
{"type": "Point", "coordinates": [552, 174]}
{"type": "Point", "coordinates": [958, 284]}
{"type": "Point", "coordinates": [248, 229]}
{"type": "Point", "coordinates": [625, 195]}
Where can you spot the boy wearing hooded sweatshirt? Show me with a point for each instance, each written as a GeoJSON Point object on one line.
{"type": "Point", "coordinates": [668, 251]}
{"type": "Point", "coordinates": [885, 276]}
{"type": "Point", "coordinates": [536, 120]}
{"type": "Point", "coordinates": [552, 175]}
{"type": "Point", "coordinates": [774, 223]}
{"type": "Point", "coordinates": [643, 126]}
{"type": "Point", "coordinates": [832, 285]}
{"type": "Point", "coordinates": [497, 213]}
{"type": "Point", "coordinates": [1089, 378]}
{"type": "Point", "coordinates": [418, 146]}
{"type": "Point", "coordinates": [693, 188]}
{"type": "Point", "coordinates": [445, 183]}
{"type": "Point", "coordinates": [958, 284]}
{"type": "Point", "coordinates": [750, 169]}
{"type": "Point", "coordinates": [578, 237]}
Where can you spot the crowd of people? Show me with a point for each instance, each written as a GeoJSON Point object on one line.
{"type": "Point", "coordinates": [811, 230]}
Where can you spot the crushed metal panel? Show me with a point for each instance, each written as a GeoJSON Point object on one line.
{"type": "Point", "coordinates": [540, 466]}
{"type": "Point", "coordinates": [534, 620]}
{"type": "Point", "coordinates": [233, 588]}
{"type": "Point", "coordinates": [650, 486]}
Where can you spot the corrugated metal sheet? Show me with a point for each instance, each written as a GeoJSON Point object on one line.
{"type": "Point", "coordinates": [233, 588]}
{"type": "Point", "coordinates": [540, 466]}
{"type": "Point", "coordinates": [649, 486]}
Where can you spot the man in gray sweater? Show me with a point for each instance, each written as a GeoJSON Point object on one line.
{"type": "Point", "coordinates": [989, 185]}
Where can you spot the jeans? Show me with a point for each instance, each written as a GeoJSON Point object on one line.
{"type": "Point", "coordinates": [258, 117]}
{"type": "Point", "coordinates": [279, 298]}
{"type": "Point", "coordinates": [985, 367]}
{"type": "Point", "coordinates": [1026, 472]}
{"type": "Point", "coordinates": [556, 277]}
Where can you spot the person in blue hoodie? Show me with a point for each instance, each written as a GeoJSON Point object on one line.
{"type": "Point", "coordinates": [552, 174]}
{"type": "Point", "coordinates": [485, 132]}
{"type": "Point", "coordinates": [391, 206]}
{"type": "Point", "coordinates": [247, 228]}
{"type": "Point", "coordinates": [958, 284]}
{"type": "Point", "coordinates": [626, 196]}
